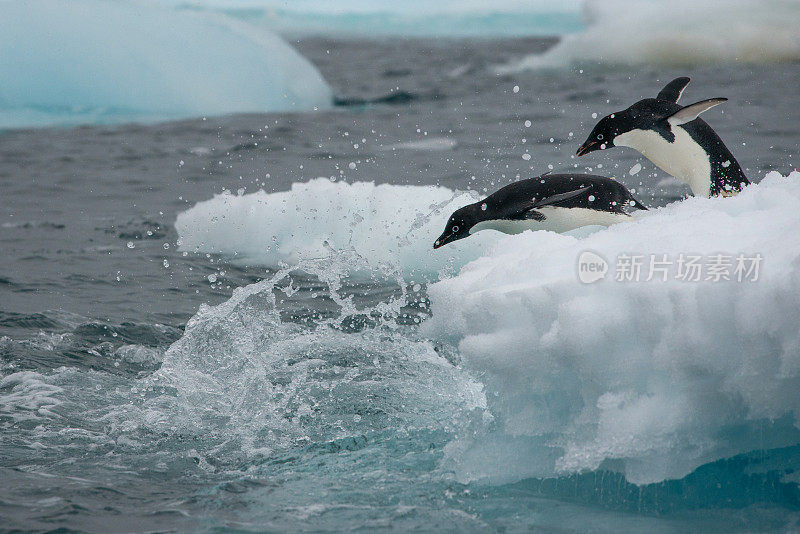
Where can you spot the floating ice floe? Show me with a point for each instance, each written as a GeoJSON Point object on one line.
{"type": "Point", "coordinates": [88, 61]}
{"type": "Point", "coordinates": [413, 17]}
{"type": "Point", "coordinates": [649, 377]}
{"type": "Point", "coordinates": [432, 144]}
{"type": "Point", "coordinates": [391, 228]}
{"type": "Point", "coordinates": [681, 32]}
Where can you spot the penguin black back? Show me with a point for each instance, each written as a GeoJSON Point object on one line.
{"type": "Point", "coordinates": [602, 193]}
{"type": "Point", "coordinates": [556, 202]}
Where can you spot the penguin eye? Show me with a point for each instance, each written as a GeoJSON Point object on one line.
{"type": "Point", "coordinates": [455, 229]}
{"type": "Point", "coordinates": [600, 136]}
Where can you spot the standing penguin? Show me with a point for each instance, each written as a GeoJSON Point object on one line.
{"type": "Point", "coordinates": [675, 139]}
{"type": "Point", "coordinates": [555, 202]}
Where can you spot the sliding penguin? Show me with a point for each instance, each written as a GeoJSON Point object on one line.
{"type": "Point", "coordinates": [555, 202]}
{"type": "Point", "coordinates": [674, 139]}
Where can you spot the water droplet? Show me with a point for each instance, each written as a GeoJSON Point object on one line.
{"type": "Point", "coordinates": [212, 278]}
{"type": "Point", "coordinates": [130, 244]}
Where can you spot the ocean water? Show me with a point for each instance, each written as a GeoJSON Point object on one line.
{"type": "Point", "coordinates": [237, 322]}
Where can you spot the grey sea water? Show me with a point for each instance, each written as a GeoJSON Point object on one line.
{"type": "Point", "coordinates": [343, 428]}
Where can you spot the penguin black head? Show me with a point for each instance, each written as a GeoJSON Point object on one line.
{"type": "Point", "coordinates": [647, 114]}
{"type": "Point", "coordinates": [604, 133]}
{"type": "Point", "coordinates": [656, 114]}
{"type": "Point", "coordinates": [459, 224]}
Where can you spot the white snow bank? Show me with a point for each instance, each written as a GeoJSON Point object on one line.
{"type": "Point", "coordinates": [391, 227]}
{"type": "Point", "coordinates": [680, 32]}
{"type": "Point", "coordinates": [100, 61]}
{"type": "Point", "coordinates": [652, 378]}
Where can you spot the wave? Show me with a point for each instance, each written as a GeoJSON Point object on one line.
{"type": "Point", "coordinates": [277, 384]}
{"type": "Point", "coordinates": [94, 61]}
{"type": "Point", "coordinates": [649, 378]}
{"type": "Point", "coordinates": [677, 33]}
{"type": "Point", "coordinates": [386, 228]}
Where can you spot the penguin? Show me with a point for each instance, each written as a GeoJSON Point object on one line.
{"type": "Point", "coordinates": [675, 139]}
{"type": "Point", "coordinates": [556, 202]}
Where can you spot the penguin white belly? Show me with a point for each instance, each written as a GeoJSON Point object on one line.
{"type": "Point", "coordinates": [556, 220]}
{"type": "Point", "coordinates": [683, 158]}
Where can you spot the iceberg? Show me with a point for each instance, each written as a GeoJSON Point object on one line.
{"type": "Point", "coordinates": [93, 61]}
{"type": "Point", "coordinates": [678, 33]}
{"type": "Point", "coordinates": [649, 376]}
{"type": "Point", "coordinates": [456, 18]}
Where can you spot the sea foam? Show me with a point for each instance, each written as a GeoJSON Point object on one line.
{"type": "Point", "coordinates": [88, 61]}
{"type": "Point", "coordinates": [677, 33]}
{"type": "Point", "coordinates": [650, 378]}
{"type": "Point", "coordinates": [390, 228]}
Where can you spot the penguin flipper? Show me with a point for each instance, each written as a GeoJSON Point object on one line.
{"type": "Point", "coordinates": [535, 215]}
{"type": "Point", "coordinates": [527, 210]}
{"type": "Point", "coordinates": [527, 213]}
{"type": "Point", "coordinates": [560, 197]}
{"type": "Point", "coordinates": [692, 111]}
{"type": "Point", "coordinates": [674, 89]}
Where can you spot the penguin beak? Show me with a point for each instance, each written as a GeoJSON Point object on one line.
{"type": "Point", "coordinates": [588, 146]}
{"type": "Point", "coordinates": [445, 239]}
